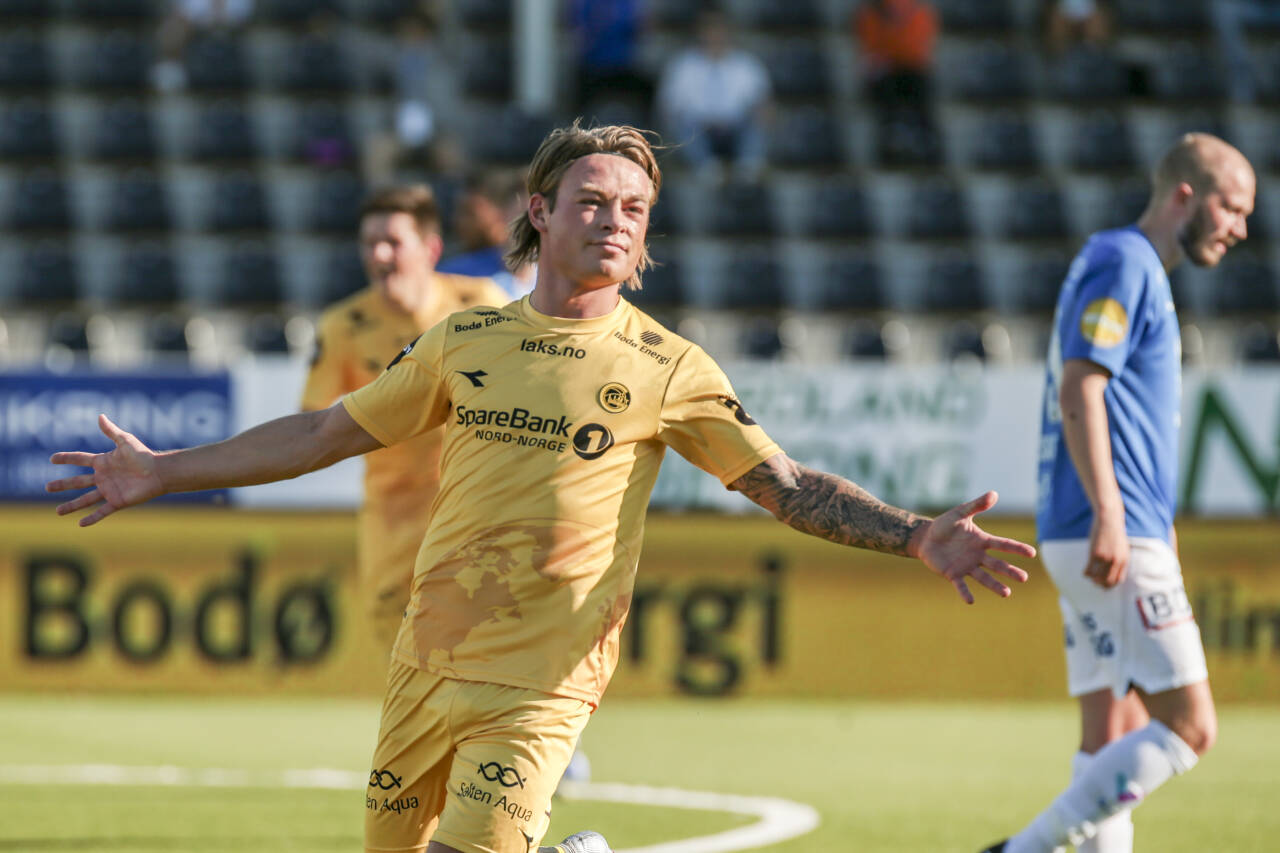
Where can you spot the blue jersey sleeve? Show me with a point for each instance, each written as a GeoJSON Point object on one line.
{"type": "Point", "coordinates": [1100, 316]}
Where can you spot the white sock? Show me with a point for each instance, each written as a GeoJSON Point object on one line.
{"type": "Point", "coordinates": [1118, 778]}
{"type": "Point", "coordinates": [1115, 834]}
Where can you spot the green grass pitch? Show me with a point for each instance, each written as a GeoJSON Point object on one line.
{"type": "Point", "coordinates": [895, 777]}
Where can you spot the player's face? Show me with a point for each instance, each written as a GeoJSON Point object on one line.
{"type": "Point", "coordinates": [1219, 219]}
{"type": "Point", "coordinates": [593, 235]}
{"type": "Point", "coordinates": [398, 258]}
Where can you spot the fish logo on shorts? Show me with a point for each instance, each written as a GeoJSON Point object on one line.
{"type": "Point", "coordinates": [1104, 322]}
{"type": "Point", "coordinates": [507, 777]}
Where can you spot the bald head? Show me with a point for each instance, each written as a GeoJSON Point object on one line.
{"type": "Point", "coordinates": [1202, 161]}
{"type": "Point", "coordinates": [1202, 195]}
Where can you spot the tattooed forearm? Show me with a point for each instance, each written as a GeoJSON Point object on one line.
{"type": "Point", "coordinates": [828, 506]}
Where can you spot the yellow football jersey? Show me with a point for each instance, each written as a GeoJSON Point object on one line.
{"type": "Point", "coordinates": [554, 430]}
{"type": "Point", "coordinates": [355, 340]}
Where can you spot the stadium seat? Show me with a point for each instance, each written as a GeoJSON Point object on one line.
{"type": "Point", "coordinates": [122, 12]}
{"type": "Point", "coordinates": [39, 202]}
{"type": "Point", "coordinates": [1245, 284]}
{"type": "Point", "coordinates": [165, 334]}
{"type": "Point", "coordinates": [250, 277]}
{"type": "Point", "coordinates": [752, 280]}
{"type": "Point", "coordinates": [1035, 211]}
{"type": "Point", "coordinates": [1127, 201]}
{"type": "Point", "coordinates": [335, 203]}
{"type": "Point", "coordinates": [910, 140]}
{"type": "Point", "coordinates": [32, 10]}
{"type": "Point", "coordinates": [773, 16]}
{"type": "Point", "coordinates": [1089, 74]}
{"type": "Point", "coordinates": [838, 209]}
{"type": "Point", "coordinates": [28, 131]}
{"type": "Point", "coordinates": [238, 203]}
{"type": "Point", "coordinates": [1188, 71]}
{"type": "Point", "coordinates": [1006, 142]}
{"type": "Point", "coordinates": [1204, 119]}
{"type": "Point", "coordinates": [147, 275]}
{"type": "Point", "coordinates": [852, 282]}
{"type": "Point", "coordinates": [664, 219]}
{"type": "Point", "coordinates": [508, 136]}
{"type": "Point", "coordinates": [138, 202]}
{"type": "Point", "coordinates": [1040, 280]}
{"type": "Point", "coordinates": [384, 13]}
{"type": "Point", "coordinates": [343, 274]}
{"type": "Point", "coordinates": [1260, 344]}
{"type": "Point", "coordinates": [992, 71]}
{"type": "Point", "coordinates": [954, 283]}
{"type": "Point", "coordinates": [123, 132]}
{"type": "Point", "coordinates": [322, 135]}
{"type": "Point", "coordinates": [224, 131]}
{"type": "Point", "coordinates": [1149, 16]}
{"type": "Point", "coordinates": [662, 285]}
{"type": "Point", "coordinates": [673, 14]}
{"type": "Point", "coordinates": [864, 339]}
{"type": "Point", "coordinates": [294, 12]}
{"type": "Point", "coordinates": [315, 64]}
{"type": "Point", "coordinates": [807, 137]}
{"type": "Point", "coordinates": [120, 60]}
{"type": "Point", "coordinates": [68, 331]}
{"type": "Point", "coordinates": [798, 69]}
{"type": "Point", "coordinates": [46, 275]}
{"type": "Point", "coordinates": [975, 15]}
{"type": "Point", "coordinates": [741, 208]}
{"type": "Point", "coordinates": [485, 14]}
{"type": "Point", "coordinates": [487, 69]}
{"type": "Point", "coordinates": [964, 340]}
{"type": "Point", "coordinates": [1101, 142]}
{"type": "Point", "coordinates": [24, 60]}
{"type": "Point", "coordinates": [761, 338]}
{"type": "Point", "coordinates": [216, 63]}
{"type": "Point", "coordinates": [265, 335]}
{"type": "Point", "coordinates": [937, 211]}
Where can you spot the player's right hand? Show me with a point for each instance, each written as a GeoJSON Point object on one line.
{"type": "Point", "coordinates": [1108, 549]}
{"type": "Point", "coordinates": [123, 477]}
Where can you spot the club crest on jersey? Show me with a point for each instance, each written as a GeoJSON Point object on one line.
{"type": "Point", "coordinates": [614, 397]}
{"type": "Point", "coordinates": [1104, 322]}
{"type": "Point", "coordinates": [408, 348]}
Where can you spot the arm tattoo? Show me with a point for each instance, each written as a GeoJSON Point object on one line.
{"type": "Point", "coordinates": [828, 506]}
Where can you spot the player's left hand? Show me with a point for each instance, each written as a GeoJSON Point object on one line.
{"type": "Point", "coordinates": [955, 547]}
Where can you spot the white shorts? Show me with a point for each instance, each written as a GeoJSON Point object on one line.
{"type": "Point", "coordinates": [1140, 632]}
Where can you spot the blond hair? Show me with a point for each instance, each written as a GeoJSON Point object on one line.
{"type": "Point", "coordinates": [562, 147]}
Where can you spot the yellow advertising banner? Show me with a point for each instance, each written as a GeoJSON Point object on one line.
{"type": "Point", "coordinates": [212, 600]}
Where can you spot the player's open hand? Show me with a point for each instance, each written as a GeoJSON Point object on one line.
{"type": "Point", "coordinates": [123, 477]}
{"type": "Point", "coordinates": [955, 547]}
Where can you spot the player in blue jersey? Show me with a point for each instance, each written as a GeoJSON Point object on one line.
{"type": "Point", "coordinates": [1108, 472]}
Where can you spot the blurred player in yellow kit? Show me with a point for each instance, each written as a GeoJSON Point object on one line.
{"type": "Point", "coordinates": [557, 410]}
{"type": "Point", "coordinates": [355, 340]}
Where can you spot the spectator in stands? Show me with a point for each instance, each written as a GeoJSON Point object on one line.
{"type": "Point", "coordinates": [715, 99]}
{"type": "Point", "coordinates": [607, 38]}
{"type": "Point", "coordinates": [185, 19]}
{"type": "Point", "coordinates": [896, 39]}
{"type": "Point", "coordinates": [1230, 18]}
{"type": "Point", "coordinates": [1071, 22]}
{"type": "Point", "coordinates": [413, 68]}
{"type": "Point", "coordinates": [490, 202]}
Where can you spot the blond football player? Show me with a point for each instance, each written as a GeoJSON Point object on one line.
{"type": "Point", "coordinates": [356, 339]}
{"type": "Point", "coordinates": [556, 411]}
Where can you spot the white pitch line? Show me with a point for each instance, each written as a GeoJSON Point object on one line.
{"type": "Point", "coordinates": [779, 819]}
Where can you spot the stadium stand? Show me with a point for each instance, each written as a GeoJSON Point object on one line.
{"type": "Point", "coordinates": [221, 193]}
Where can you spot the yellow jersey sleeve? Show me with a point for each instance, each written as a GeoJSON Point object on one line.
{"type": "Point", "coordinates": [408, 398]}
{"type": "Point", "coordinates": [326, 378]}
{"type": "Point", "coordinates": [702, 420]}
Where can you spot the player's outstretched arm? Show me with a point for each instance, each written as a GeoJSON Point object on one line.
{"type": "Point", "coordinates": [833, 508]}
{"type": "Point", "coordinates": [132, 473]}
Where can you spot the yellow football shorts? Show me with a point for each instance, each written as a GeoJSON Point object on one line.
{"type": "Point", "coordinates": [469, 764]}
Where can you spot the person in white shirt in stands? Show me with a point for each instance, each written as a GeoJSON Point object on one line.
{"type": "Point", "coordinates": [715, 99]}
